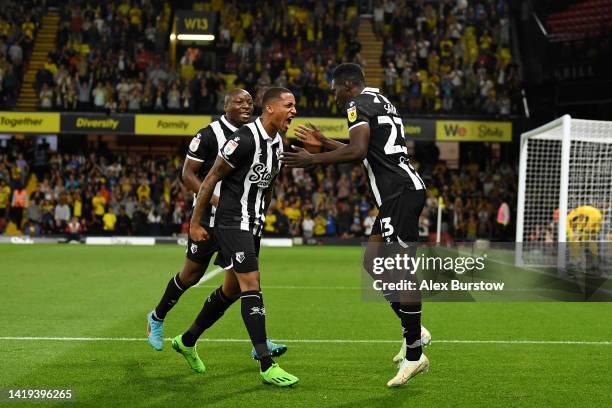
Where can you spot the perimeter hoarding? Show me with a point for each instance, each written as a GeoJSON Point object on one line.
{"type": "Point", "coordinates": [170, 125]}
{"type": "Point", "coordinates": [29, 122]}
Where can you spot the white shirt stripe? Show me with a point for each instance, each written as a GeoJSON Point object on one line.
{"type": "Point", "coordinates": [244, 200]}
{"type": "Point", "coordinates": [220, 136]}
{"type": "Point", "coordinates": [194, 158]}
{"type": "Point", "coordinates": [418, 183]}
{"type": "Point", "coordinates": [373, 185]}
{"type": "Point", "coordinates": [228, 124]}
{"type": "Point", "coordinates": [357, 124]}
{"type": "Point", "coordinates": [260, 216]}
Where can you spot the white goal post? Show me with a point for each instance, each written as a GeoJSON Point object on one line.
{"type": "Point", "coordinates": [564, 165]}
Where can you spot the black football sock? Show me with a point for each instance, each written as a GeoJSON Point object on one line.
{"type": "Point", "coordinates": [214, 307]}
{"type": "Point", "coordinates": [254, 317]}
{"type": "Point", "coordinates": [394, 305]}
{"type": "Point", "coordinates": [174, 290]}
{"type": "Point", "coordinates": [411, 323]}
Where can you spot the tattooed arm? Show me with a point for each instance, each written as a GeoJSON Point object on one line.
{"type": "Point", "coordinates": [219, 170]}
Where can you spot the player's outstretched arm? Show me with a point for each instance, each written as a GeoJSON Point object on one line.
{"type": "Point", "coordinates": [219, 170]}
{"type": "Point", "coordinates": [356, 149]}
{"type": "Point", "coordinates": [307, 133]}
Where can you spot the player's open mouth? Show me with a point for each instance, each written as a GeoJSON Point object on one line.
{"type": "Point", "coordinates": [245, 115]}
{"type": "Point", "coordinates": [288, 122]}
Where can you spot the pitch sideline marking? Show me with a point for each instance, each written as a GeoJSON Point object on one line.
{"type": "Point", "coordinates": [325, 341]}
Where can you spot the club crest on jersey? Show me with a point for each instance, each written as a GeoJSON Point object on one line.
{"type": "Point", "coordinates": [230, 147]}
{"type": "Point", "coordinates": [240, 256]}
{"type": "Point", "coordinates": [194, 248]}
{"type": "Point", "coordinates": [195, 143]}
{"type": "Point", "coordinates": [351, 113]}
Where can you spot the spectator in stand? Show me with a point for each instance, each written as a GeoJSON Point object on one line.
{"type": "Point", "coordinates": [62, 215]}
{"type": "Point", "coordinates": [320, 228]}
{"type": "Point", "coordinates": [368, 223]}
{"type": "Point", "coordinates": [46, 98]}
{"type": "Point", "coordinates": [18, 204]}
{"type": "Point", "coordinates": [336, 196]}
{"type": "Point", "coordinates": [294, 215]}
{"type": "Point", "coordinates": [379, 18]}
{"type": "Point", "coordinates": [460, 55]}
{"type": "Point", "coordinates": [99, 97]}
{"type": "Point", "coordinates": [30, 229]}
{"type": "Point", "coordinates": [99, 205]}
{"type": "Point", "coordinates": [154, 221]}
{"type": "Point", "coordinates": [74, 230]}
{"type": "Point", "coordinates": [356, 228]}
{"type": "Point", "coordinates": [84, 90]}
{"type": "Point", "coordinates": [290, 44]}
{"type": "Point", "coordinates": [19, 21]}
{"type": "Point", "coordinates": [124, 224]}
{"type": "Point", "coordinates": [34, 213]}
{"type": "Point", "coordinates": [109, 221]}
{"type": "Point", "coordinates": [5, 198]}
{"type": "Point", "coordinates": [143, 191]}
{"type": "Point", "coordinates": [308, 225]}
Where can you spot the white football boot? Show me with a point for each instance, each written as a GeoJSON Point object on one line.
{"type": "Point", "coordinates": [425, 340]}
{"type": "Point", "coordinates": [408, 369]}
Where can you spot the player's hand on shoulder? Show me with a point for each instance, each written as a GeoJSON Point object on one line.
{"type": "Point", "coordinates": [197, 232]}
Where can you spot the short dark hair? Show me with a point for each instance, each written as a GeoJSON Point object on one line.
{"type": "Point", "coordinates": [348, 72]}
{"type": "Point", "coordinates": [273, 93]}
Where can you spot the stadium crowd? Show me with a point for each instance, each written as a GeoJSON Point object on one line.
{"type": "Point", "coordinates": [19, 21]}
{"type": "Point", "coordinates": [450, 56]}
{"type": "Point", "coordinates": [113, 56]}
{"type": "Point", "coordinates": [43, 192]}
{"type": "Point", "coordinates": [107, 56]}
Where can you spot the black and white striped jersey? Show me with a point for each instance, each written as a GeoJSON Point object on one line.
{"type": "Point", "coordinates": [204, 148]}
{"type": "Point", "coordinates": [387, 164]}
{"type": "Point", "coordinates": [254, 156]}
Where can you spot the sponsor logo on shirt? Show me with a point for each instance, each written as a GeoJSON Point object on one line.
{"type": "Point", "coordinates": [351, 113]}
{"type": "Point", "coordinates": [230, 147]}
{"type": "Point", "coordinates": [259, 175]}
{"type": "Point", "coordinates": [195, 143]}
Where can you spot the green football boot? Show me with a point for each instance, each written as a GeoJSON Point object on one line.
{"type": "Point", "coordinates": [190, 354]}
{"type": "Point", "coordinates": [279, 377]}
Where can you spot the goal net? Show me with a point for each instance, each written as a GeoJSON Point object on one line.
{"type": "Point", "coordinates": [565, 191]}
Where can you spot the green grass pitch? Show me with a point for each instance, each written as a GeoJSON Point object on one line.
{"type": "Point", "coordinates": [311, 293]}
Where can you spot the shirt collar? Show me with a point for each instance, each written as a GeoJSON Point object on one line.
{"type": "Point", "coordinates": [264, 133]}
{"type": "Point", "coordinates": [228, 124]}
{"type": "Point", "coordinates": [367, 89]}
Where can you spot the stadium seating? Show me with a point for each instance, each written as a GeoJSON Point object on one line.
{"type": "Point", "coordinates": [88, 70]}
{"type": "Point", "coordinates": [585, 19]}
{"type": "Point", "coordinates": [449, 57]}
{"type": "Point", "coordinates": [438, 58]}
{"type": "Point", "coordinates": [19, 22]}
{"type": "Point", "coordinates": [145, 193]}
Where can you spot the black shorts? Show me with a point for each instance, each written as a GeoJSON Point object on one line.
{"type": "Point", "coordinates": [238, 249]}
{"type": "Point", "coordinates": [399, 217]}
{"type": "Point", "coordinates": [202, 251]}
